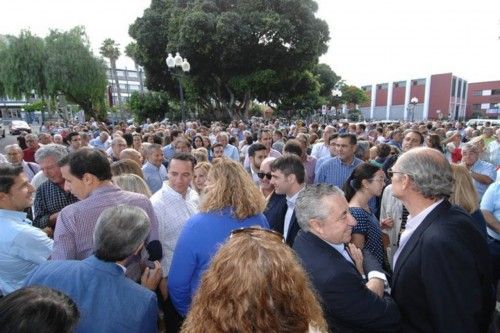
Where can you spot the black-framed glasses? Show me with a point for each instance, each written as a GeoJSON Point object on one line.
{"type": "Point", "coordinates": [391, 173]}
{"type": "Point", "coordinates": [257, 232]}
{"type": "Point", "coordinates": [261, 175]}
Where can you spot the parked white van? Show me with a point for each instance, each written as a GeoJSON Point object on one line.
{"type": "Point", "coordinates": [480, 122]}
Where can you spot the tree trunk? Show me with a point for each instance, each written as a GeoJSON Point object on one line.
{"type": "Point", "coordinates": [117, 83]}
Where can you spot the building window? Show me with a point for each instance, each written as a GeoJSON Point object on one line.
{"type": "Point", "coordinates": [495, 91]}
{"type": "Point", "coordinates": [419, 82]}
{"type": "Point", "coordinates": [477, 93]}
{"type": "Point", "coordinates": [120, 73]}
{"type": "Point", "coordinates": [453, 86]}
{"type": "Point", "coordinates": [476, 107]}
{"type": "Point", "coordinates": [133, 74]}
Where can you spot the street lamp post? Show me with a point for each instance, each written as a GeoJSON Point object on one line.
{"type": "Point", "coordinates": [336, 93]}
{"type": "Point", "coordinates": [176, 65]}
{"type": "Point", "coordinates": [411, 108]}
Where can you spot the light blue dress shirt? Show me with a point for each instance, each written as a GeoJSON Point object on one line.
{"type": "Point", "coordinates": [483, 168]}
{"type": "Point", "coordinates": [22, 248]}
{"type": "Point", "coordinates": [491, 203]}
{"type": "Point", "coordinates": [154, 176]}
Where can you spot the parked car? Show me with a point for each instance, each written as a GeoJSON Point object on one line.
{"type": "Point", "coordinates": [17, 126]}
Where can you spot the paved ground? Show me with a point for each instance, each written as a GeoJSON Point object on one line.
{"type": "Point", "coordinates": [10, 139]}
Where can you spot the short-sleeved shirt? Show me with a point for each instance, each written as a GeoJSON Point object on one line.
{"type": "Point", "coordinates": [368, 226]}
{"type": "Point", "coordinates": [491, 203]}
{"type": "Point", "coordinates": [335, 172]}
{"type": "Point", "coordinates": [154, 176]}
{"type": "Point", "coordinates": [49, 199]}
{"type": "Point", "coordinates": [22, 248]}
{"type": "Point", "coordinates": [483, 168]}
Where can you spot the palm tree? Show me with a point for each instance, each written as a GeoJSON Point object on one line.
{"type": "Point", "coordinates": [109, 49]}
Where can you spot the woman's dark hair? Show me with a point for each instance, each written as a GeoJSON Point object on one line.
{"type": "Point", "coordinates": [129, 139]}
{"type": "Point", "coordinates": [249, 140]}
{"type": "Point", "coordinates": [353, 183]}
{"type": "Point", "coordinates": [194, 139]}
{"type": "Point", "coordinates": [435, 142]}
{"type": "Point", "coordinates": [21, 141]}
{"type": "Point", "coordinates": [383, 150]}
{"type": "Point", "coordinates": [37, 309]}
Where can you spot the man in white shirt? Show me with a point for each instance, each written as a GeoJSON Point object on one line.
{"type": "Point", "coordinates": [322, 148]}
{"type": "Point", "coordinates": [442, 275]}
{"type": "Point", "coordinates": [288, 177]}
{"type": "Point", "coordinates": [174, 204]}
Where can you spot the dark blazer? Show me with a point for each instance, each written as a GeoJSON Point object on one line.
{"type": "Point", "coordinates": [442, 279]}
{"type": "Point", "coordinates": [108, 301]}
{"type": "Point", "coordinates": [275, 213]}
{"type": "Point", "coordinates": [348, 305]}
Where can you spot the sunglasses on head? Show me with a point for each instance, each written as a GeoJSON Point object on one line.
{"type": "Point", "coordinates": [257, 232]}
{"type": "Point", "coordinates": [261, 175]}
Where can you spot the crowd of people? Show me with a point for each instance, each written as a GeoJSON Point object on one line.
{"type": "Point", "coordinates": [251, 226]}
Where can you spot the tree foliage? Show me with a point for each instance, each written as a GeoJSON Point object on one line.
{"type": "Point", "coordinates": [62, 63]}
{"type": "Point", "coordinates": [73, 70]}
{"type": "Point", "coordinates": [153, 105]}
{"type": "Point", "coordinates": [239, 50]}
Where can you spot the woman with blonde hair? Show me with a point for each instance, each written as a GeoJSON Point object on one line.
{"type": "Point", "coordinates": [464, 194]}
{"type": "Point", "coordinates": [272, 292]}
{"type": "Point", "coordinates": [231, 201]}
{"type": "Point", "coordinates": [201, 154]}
{"type": "Point", "coordinates": [132, 183]}
{"type": "Point", "coordinates": [126, 165]}
{"type": "Point", "coordinates": [200, 176]}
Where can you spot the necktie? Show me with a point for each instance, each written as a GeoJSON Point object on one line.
{"type": "Point", "coordinates": [404, 218]}
{"type": "Point", "coordinates": [288, 217]}
{"type": "Point", "coordinates": [346, 255]}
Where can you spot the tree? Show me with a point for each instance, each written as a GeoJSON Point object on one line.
{"type": "Point", "coordinates": [73, 70]}
{"type": "Point", "coordinates": [354, 95]}
{"type": "Point", "coordinates": [62, 63]}
{"type": "Point", "coordinates": [239, 50]}
{"type": "Point", "coordinates": [153, 105]}
{"type": "Point", "coordinates": [22, 62]}
{"type": "Point", "coordinates": [109, 49]}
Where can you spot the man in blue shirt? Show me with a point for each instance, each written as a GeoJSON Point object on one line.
{"type": "Point", "coordinates": [230, 151]}
{"type": "Point", "coordinates": [154, 170]}
{"type": "Point", "coordinates": [22, 246]}
{"type": "Point", "coordinates": [336, 170]}
{"type": "Point", "coordinates": [482, 173]}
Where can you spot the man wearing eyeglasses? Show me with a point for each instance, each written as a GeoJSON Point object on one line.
{"type": "Point", "coordinates": [391, 206]}
{"type": "Point", "coordinates": [442, 274]}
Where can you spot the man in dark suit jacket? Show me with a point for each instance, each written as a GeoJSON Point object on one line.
{"type": "Point", "coordinates": [108, 301]}
{"type": "Point", "coordinates": [442, 275]}
{"type": "Point", "coordinates": [288, 178]}
{"type": "Point", "coordinates": [351, 300]}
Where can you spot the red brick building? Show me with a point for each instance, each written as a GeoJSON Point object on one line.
{"type": "Point", "coordinates": [437, 96]}
{"type": "Point", "coordinates": [483, 100]}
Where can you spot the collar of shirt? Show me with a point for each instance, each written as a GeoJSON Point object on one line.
{"type": "Point", "coordinates": [12, 214]}
{"type": "Point", "coordinates": [151, 165]}
{"type": "Point", "coordinates": [414, 222]}
{"type": "Point", "coordinates": [341, 249]}
{"type": "Point", "coordinates": [171, 192]}
{"type": "Point", "coordinates": [104, 188]}
{"type": "Point", "coordinates": [291, 200]}
{"type": "Point", "coordinates": [123, 268]}
{"type": "Point", "coordinates": [347, 164]}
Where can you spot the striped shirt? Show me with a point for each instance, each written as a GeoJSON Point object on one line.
{"type": "Point", "coordinates": [335, 172]}
{"type": "Point", "coordinates": [73, 236]}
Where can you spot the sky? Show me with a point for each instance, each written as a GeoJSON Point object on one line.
{"type": "Point", "coordinates": [370, 41]}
